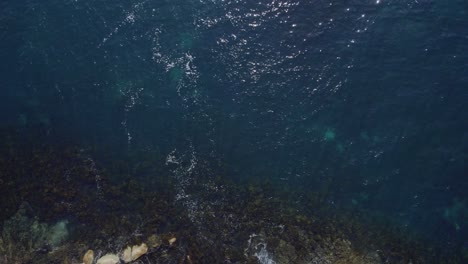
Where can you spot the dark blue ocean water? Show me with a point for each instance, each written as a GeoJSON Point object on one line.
{"type": "Point", "coordinates": [365, 101]}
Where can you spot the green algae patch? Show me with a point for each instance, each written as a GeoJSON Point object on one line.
{"type": "Point", "coordinates": [329, 135]}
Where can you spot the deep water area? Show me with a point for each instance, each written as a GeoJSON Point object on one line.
{"type": "Point", "coordinates": [218, 131]}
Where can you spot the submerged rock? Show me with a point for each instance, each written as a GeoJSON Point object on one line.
{"type": "Point", "coordinates": [138, 251]}
{"type": "Point", "coordinates": [24, 237]}
{"type": "Point", "coordinates": [127, 254]}
{"type": "Point", "coordinates": [154, 241]}
{"type": "Point", "coordinates": [58, 233]}
{"type": "Point", "coordinates": [88, 257]}
{"type": "Point", "coordinates": [108, 259]}
{"type": "Point", "coordinates": [133, 253]}
{"type": "Point", "coordinates": [172, 241]}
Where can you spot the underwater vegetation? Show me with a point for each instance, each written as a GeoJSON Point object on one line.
{"type": "Point", "coordinates": [233, 131]}
{"type": "Point", "coordinates": [77, 208]}
{"type": "Point", "coordinates": [23, 237]}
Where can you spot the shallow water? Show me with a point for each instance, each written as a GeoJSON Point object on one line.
{"type": "Point", "coordinates": [362, 102]}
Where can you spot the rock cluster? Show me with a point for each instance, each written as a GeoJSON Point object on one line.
{"type": "Point", "coordinates": [129, 254]}
{"type": "Point", "coordinates": [133, 253]}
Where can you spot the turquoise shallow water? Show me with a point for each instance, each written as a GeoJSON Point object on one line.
{"type": "Point", "coordinates": [361, 101]}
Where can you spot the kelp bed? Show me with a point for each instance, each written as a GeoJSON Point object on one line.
{"type": "Point", "coordinates": [57, 202]}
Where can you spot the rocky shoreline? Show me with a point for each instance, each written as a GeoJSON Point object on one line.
{"type": "Point", "coordinates": [67, 205]}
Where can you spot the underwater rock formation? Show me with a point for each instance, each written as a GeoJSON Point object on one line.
{"type": "Point", "coordinates": [215, 226]}
{"type": "Point", "coordinates": [172, 240]}
{"type": "Point", "coordinates": [88, 258]}
{"type": "Point", "coordinates": [154, 241]}
{"type": "Point", "coordinates": [133, 253]}
{"type": "Point", "coordinates": [127, 255]}
{"type": "Point", "coordinates": [108, 259]}
{"type": "Point", "coordinates": [23, 234]}
{"type": "Point", "coordinates": [139, 250]}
